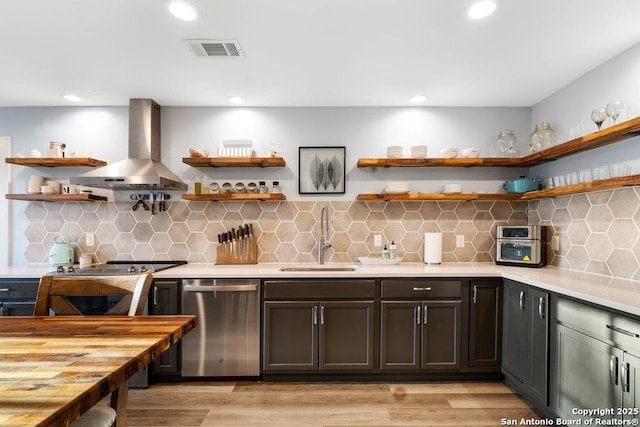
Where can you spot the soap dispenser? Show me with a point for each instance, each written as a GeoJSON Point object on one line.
{"type": "Point", "coordinates": [393, 250]}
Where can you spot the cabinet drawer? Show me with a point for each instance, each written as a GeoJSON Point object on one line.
{"type": "Point", "coordinates": [599, 323]}
{"type": "Point", "coordinates": [421, 289]}
{"type": "Point", "coordinates": [16, 290]}
{"type": "Point", "coordinates": [315, 289]}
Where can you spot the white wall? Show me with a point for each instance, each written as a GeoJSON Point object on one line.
{"type": "Point", "coordinates": [618, 79]}
{"type": "Point", "coordinates": [5, 229]}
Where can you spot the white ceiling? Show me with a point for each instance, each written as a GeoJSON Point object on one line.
{"type": "Point", "coordinates": [306, 52]}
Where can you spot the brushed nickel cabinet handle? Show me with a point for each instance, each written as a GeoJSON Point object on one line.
{"type": "Point", "coordinates": [424, 315]}
{"type": "Point", "coordinates": [314, 312]}
{"type": "Point", "coordinates": [422, 289]}
{"type": "Point", "coordinates": [5, 290]}
{"type": "Point", "coordinates": [522, 300]}
{"type": "Point", "coordinates": [623, 331]}
{"type": "Point", "coordinates": [541, 309]}
{"type": "Point", "coordinates": [475, 293]}
{"type": "Point", "coordinates": [322, 314]}
{"type": "Point", "coordinates": [624, 377]}
{"type": "Point", "coordinates": [418, 317]}
{"type": "Point", "coordinates": [613, 369]}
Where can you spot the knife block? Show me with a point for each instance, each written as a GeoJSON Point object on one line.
{"type": "Point", "coordinates": [243, 251]}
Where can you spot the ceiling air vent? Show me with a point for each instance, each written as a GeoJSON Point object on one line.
{"type": "Point", "coordinates": [215, 48]}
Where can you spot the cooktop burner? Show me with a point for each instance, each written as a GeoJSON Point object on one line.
{"type": "Point", "coordinates": [116, 268]}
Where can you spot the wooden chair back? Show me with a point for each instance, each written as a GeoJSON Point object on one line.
{"type": "Point", "coordinates": [54, 291]}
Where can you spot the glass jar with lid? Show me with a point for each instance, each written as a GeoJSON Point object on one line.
{"type": "Point", "coordinates": [542, 137]}
{"type": "Point", "coordinates": [506, 144]}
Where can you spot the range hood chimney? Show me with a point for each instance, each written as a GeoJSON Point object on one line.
{"type": "Point", "coordinates": [142, 170]}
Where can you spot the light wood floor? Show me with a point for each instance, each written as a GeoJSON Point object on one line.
{"type": "Point", "coordinates": [325, 404]}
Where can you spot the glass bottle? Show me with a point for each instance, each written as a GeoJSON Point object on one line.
{"type": "Point", "coordinates": [262, 187]}
{"type": "Point", "coordinates": [275, 187]}
{"type": "Point", "coordinates": [542, 137]}
{"type": "Point", "coordinates": [506, 144]}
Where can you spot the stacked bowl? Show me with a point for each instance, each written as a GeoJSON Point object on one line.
{"type": "Point", "coordinates": [394, 151]}
{"type": "Point", "coordinates": [397, 187]}
{"type": "Point", "coordinates": [419, 151]}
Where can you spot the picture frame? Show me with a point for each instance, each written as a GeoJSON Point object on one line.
{"type": "Point", "coordinates": [321, 170]}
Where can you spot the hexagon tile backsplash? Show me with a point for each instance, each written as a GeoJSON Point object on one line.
{"type": "Point", "coordinates": [287, 231]}
{"type": "Point", "coordinates": [598, 232]}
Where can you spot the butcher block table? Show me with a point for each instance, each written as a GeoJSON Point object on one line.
{"type": "Point", "coordinates": [54, 368]}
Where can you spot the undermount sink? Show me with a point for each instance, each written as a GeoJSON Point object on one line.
{"type": "Point", "coordinates": [319, 268]}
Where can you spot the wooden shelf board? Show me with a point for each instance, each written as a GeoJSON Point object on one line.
{"type": "Point", "coordinates": [265, 162]}
{"type": "Point", "coordinates": [437, 197]}
{"type": "Point", "coordinates": [605, 184]}
{"type": "Point", "coordinates": [55, 161]}
{"type": "Point", "coordinates": [82, 197]}
{"type": "Point", "coordinates": [615, 133]}
{"type": "Point", "coordinates": [439, 162]}
{"type": "Point", "coordinates": [233, 197]}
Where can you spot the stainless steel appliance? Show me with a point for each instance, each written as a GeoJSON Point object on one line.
{"type": "Point", "coordinates": [521, 245]}
{"type": "Point", "coordinates": [226, 342]}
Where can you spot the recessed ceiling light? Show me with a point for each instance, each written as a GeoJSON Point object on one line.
{"type": "Point", "coordinates": [238, 100]}
{"type": "Point", "coordinates": [481, 9]}
{"type": "Point", "coordinates": [183, 10]}
{"type": "Point", "coordinates": [71, 98]}
{"type": "Point", "coordinates": [418, 99]}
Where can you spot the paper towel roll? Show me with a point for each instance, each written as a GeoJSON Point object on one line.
{"type": "Point", "coordinates": [432, 248]}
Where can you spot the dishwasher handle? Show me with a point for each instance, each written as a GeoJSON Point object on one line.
{"type": "Point", "coordinates": [220, 288]}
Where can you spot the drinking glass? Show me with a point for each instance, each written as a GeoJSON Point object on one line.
{"type": "Point", "coordinates": [599, 116]}
{"type": "Point", "coordinates": [614, 109]}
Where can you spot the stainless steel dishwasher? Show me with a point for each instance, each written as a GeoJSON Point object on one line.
{"type": "Point", "coordinates": [226, 342]}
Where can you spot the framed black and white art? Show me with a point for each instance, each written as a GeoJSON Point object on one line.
{"type": "Point", "coordinates": [321, 170]}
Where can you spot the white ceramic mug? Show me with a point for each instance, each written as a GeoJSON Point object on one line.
{"type": "Point", "coordinates": [55, 185]}
{"type": "Point", "coordinates": [70, 189]}
{"type": "Point", "coordinates": [33, 184]}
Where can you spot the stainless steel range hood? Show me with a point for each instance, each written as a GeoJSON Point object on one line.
{"type": "Point", "coordinates": [142, 170]}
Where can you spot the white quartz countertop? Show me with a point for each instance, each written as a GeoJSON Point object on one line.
{"type": "Point", "coordinates": [623, 295]}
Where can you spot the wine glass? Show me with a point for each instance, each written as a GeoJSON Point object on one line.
{"type": "Point", "coordinates": [599, 116]}
{"type": "Point", "coordinates": [614, 109]}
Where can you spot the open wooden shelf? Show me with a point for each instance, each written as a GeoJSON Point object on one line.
{"type": "Point", "coordinates": [440, 162]}
{"type": "Point", "coordinates": [53, 162]}
{"type": "Point", "coordinates": [227, 197]}
{"type": "Point", "coordinates": [263, 162]}
{"type": "Point", "coordinates": [615, 133]}
{"type": "Point", "coordinates": [604, 184]}
{"type": "Point", "coordinates": [81, 197]}
{"type": "Point", "coordinates": [416, 197]}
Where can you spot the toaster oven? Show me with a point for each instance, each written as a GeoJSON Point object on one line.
{"type": "Point", "coordinates": [522, 245]}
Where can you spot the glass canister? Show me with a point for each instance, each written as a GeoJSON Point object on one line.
{"type": "Point", "coordinates": [542, 137]}
{"type": "Point", "coordinates": [506, 144]}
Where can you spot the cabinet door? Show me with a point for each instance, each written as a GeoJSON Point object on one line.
{"type": "Point", "coordinates": [164, 298]}
{"type": "Point", "coordinates": [515, 341]}
{"type": "Point", "coordinates": [485, 323]}
{"type": "Point", "coordinates": [441, 334]}
{"type": "Point", "coordinates": [401, 325]}
{"type": "Point", "coordinates": [539, 369]}
{"type": "Point", "coordinates": [586, 373]}
{"type": "Point", "coordinates": [346, 335]}
{"type": "Point", "coordinates": [629, 382]}
{"type": "Point", "coordinates": [290, 341]}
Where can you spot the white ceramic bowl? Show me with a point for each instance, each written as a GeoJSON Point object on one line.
{"type": "Point", "coordinates": [471, 152]}
{"type": "Point", "coordinates": [394, 151]}
{"type": "Point", "coordinates": [449, 153]}
{"type": "Point", "coordinates": [451, 188]}
{"type": "Point", "coordinates": [419, 151]}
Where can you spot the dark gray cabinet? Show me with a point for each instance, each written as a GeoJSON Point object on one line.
{"type": "Point", "coordinates": [525, 356]}
{"type": "Point", "coordinates": [596, 363]}
{"type": "Point", "coordinates": [164, 298]}
{"type": "Point", "coordinates": [485, 323]}
{"type": "Point", "coordinates": [318, 326]}
{"type": "Point", "coordinates": [18, 296]}
{"type": "Point", "coordinates": [420, 325]}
